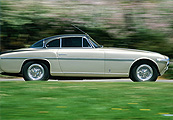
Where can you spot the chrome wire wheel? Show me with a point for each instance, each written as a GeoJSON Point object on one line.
{"type": "Point", "coordinates": [35, 71]}
{"type": "Point", "coordinates": [144, 72]}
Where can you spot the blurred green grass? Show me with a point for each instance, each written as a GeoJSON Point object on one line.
{"type": "Point", "coordinates": [85, 101]}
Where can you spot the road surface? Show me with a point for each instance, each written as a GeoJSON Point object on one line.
{"type": "Point", "coordinates": [87, 80]}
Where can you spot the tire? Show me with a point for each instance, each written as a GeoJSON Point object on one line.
{"type": "Point", "coordinates": [143, 72]}
{"type": "Point", "coordinates": [34, 71]}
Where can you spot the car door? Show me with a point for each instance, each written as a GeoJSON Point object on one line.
{"type": "Point", "coordinates": [77, 56]}
{"type": "Point", "coordinates": [54, 45]}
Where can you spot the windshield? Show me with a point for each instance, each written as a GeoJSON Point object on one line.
{"type": "Point", "coordinates": [96, 45]}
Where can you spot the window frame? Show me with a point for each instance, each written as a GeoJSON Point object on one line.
{"type": "Point", "coordinates": [60, 38]}
{"type": "Point", "coordinates": [71, 37]}
{"type": "Point", "coordinates": [87, 41]}
{"type": "Point", "coordinates": [75, 47]}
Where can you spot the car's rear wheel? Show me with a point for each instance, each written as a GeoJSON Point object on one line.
{"type": "Point", "coordinates": [144, 72]}
{"type": "Point", "coordinates": [34, 71]}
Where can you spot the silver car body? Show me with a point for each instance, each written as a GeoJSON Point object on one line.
{"type": "Point", "coordinates": [81, 61]}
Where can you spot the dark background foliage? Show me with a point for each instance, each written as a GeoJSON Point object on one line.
{"type": "Point", "coordinates": [146, 25]}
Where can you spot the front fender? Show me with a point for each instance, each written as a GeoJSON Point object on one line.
{"type": "Point", "coordinates": [146, 59]}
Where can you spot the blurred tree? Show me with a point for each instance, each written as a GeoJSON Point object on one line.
{"type": "Point", "coordinates": [121, 23]}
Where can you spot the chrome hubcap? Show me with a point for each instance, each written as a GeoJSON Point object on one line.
{"type": "Point", "coordinates": [144, 72]}
{"type": "Point", "coordinates": [35, 71]}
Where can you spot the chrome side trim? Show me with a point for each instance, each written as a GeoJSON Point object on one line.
{"type": "Point", "coordinates": [99, 59]}
{"type": "Point", "coordinates": [116, 74]}
{"type": "Point", "coordinates": [26, 58]}
{"type": "Point", "coordinates": [13, 58]}
{"type": "Point", "coordinates": [77, 73]}
{"type": "Point", "coordinates": [90, 73]}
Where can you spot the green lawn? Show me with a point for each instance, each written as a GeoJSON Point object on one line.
{"type": "Point", "coordinates": [85, 101]}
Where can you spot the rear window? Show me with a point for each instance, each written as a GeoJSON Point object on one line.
{"type": "Point", "coordinates": [38, 44]}
{"type": "Point", "coordinates": [54, 43]}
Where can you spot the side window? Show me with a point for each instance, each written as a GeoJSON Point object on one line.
{"type": "Point", "coordinates": [54, 43]}
{"type": "Point", "coordinates": [72, 42]}
{"type": "Point", "coordinates": [85, 43]}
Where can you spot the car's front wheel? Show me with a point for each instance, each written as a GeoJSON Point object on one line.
{"type": "Point", "coordinates": [34, 71]}
{"type": "Point", "coordinates": [144, 72]}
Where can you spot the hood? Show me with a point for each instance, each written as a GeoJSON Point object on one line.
{"type": "Point", "coordinates": [132, 52]}
{"type": "Point", "coordinates": [129, 50]}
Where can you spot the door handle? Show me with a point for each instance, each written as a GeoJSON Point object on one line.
{"type": "Point", "coordinates": [62, 54]}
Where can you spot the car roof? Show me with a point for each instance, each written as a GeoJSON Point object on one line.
{"type": "Point", "coordinates": [65, 35]}
{"type": "Point", "coordinates": [58, 36]}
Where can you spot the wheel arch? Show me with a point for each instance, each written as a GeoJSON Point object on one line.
{"type": "Point", "coordinates": [145, 60]}
{"type": "Point", "coordinates": [46, 62]}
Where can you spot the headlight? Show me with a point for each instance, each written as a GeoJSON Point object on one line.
{"type": "Point", "coordinates": [162, 60]}
{"type": "Point", "coordinates": [166, 59]}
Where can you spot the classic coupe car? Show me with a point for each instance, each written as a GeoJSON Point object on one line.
{"type": "Point", "coordinates": [78, 55]}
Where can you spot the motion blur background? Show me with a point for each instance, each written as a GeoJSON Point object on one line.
{"type": "Point", "coordinates": [137, 24]}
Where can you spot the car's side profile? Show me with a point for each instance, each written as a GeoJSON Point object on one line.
{"type": "Point", "coordinates": [80, 56]}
